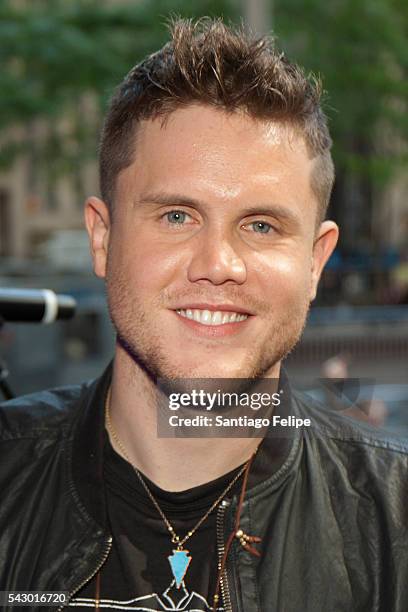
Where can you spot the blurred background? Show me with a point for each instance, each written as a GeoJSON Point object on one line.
{"type": "Point", "coordinates": [61, 59]}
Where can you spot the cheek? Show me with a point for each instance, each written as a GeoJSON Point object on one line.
{"type": "Point", "coordinates": [284, 277]}
{"type": "Point", "coordinates": [145, 263]}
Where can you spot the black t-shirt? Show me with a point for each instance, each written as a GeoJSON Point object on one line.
{"type": "Point", "coordinates": [137, 574]}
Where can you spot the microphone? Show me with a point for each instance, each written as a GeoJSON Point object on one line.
{"type": "Point", "coordinates": [34, 306]}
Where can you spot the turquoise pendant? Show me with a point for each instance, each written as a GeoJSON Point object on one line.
{"type": "Point", "coordinates": [179, 562]}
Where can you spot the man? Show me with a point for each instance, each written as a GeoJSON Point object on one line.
{"type": "Point", "coordinates": [210, 233]}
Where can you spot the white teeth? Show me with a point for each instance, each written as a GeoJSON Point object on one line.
{"type": "Point", "coordinates": [207, 317]}
{"type": "Point", "coordinates": [196, 315]}
{"type": "Point", "coordinates": [216, 318]}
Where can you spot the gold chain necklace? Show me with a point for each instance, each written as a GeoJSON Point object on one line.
{"type": "Point", "coordinates": [180, 559]}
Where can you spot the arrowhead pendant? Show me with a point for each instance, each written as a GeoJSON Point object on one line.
{"type": "Point", "coordinates": [179, 562]}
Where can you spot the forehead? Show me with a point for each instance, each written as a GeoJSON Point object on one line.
{"type": "Point", "coordinates": [210, 152]}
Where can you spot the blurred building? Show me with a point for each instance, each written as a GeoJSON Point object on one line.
{"type": "Point", "coordinates": [37, 204]}
{"type": "Point", "coordinates": [42, 193]}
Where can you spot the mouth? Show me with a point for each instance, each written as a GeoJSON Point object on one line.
{"type": "Point", "coordinates": [212, 317]}
{"type": "Point", "coordinates": [214, 321]}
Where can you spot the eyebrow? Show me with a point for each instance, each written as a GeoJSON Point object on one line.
{"type": "Point", "coordinates": [174, 199]}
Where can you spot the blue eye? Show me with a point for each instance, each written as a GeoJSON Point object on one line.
{"type": "Point", "coordinates": [261, 227]}
{"type": "Point", "coordinates": [176, 216]}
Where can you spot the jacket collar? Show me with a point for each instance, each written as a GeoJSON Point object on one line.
{"type": "Point", "coordinates": [88, 443]}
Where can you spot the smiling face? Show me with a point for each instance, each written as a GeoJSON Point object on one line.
{"type": "Point", "coordinates": [212, 257]}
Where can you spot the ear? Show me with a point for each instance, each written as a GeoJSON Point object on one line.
{"type": "Point", "coordinates": [97, 221]}
{"type": "Point", "coordinates": [324, 245]}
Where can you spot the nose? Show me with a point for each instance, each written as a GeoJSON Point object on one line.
{"type": "Point", "coordinates": [215, 259]}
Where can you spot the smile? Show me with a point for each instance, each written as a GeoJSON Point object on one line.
{"type": "Point", "coordinates": [216, 317]}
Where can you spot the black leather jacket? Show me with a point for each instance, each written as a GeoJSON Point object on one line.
{"type": "Point", "coordinates": [333, 517]}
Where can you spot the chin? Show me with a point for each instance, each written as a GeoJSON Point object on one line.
{"type": "Point", "coordinates": [157, 363]}
{"type": "Point", "coordinates": [207, 368]}
{"type": "Point", "coordinates": [214, 373]}
{"type": "Point", "coordinates": [209, 371]}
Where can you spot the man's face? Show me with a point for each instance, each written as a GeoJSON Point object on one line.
{"type": "Point", "coordinates": [212, 256]}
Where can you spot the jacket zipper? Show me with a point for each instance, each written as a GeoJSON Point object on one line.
{"type": "Point", "coordinates": [106, 552]}
{"type": "Point", "coordinates": [226, 597]}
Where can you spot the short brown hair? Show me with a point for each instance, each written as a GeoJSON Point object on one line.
{"type": "Point", "coordinates": [211, 63]}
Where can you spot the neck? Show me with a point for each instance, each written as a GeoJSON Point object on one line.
{"type": "Point", "coordinates": [172, 463]}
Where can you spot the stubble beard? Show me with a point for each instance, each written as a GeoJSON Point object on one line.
{"type": "Point", "coordinates": [144, 341]}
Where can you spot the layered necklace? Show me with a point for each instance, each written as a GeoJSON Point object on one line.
{"type": "Point", "coordinates": [180, 559]}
